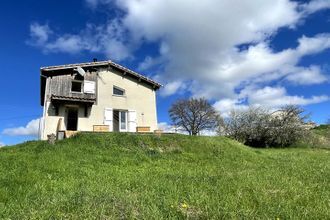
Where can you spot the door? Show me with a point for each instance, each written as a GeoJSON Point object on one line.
{"type": "Point", "coordinates": [122, 121]}
{"type": "Point", "coordinates": [116, 120]}
{"type": "Point", "coordinates": [72, 119]}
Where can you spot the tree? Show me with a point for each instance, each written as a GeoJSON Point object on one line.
{"type": "Point", "coordinates": [259, 127]}
{"type": "Point", "coordinates": [194, 115]}
{"type": "Point", "coordinates": [248, 126]}
{"type": "Point", "coordinates": [287, 126]}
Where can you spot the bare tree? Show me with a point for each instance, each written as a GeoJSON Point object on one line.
{"type": "Point", "coordinates": [194, 115]}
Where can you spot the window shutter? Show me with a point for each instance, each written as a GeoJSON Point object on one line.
{"type": "Point", "coordinates": [108, 118]}
{"type": "Point", "coordinates": [132, 121]}
{"type": "Point", "coordinates": [89, 87]}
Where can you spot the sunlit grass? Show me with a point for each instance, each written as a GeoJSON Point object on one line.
{"type": "Point", "coordinates": [319, 137]}
{"type": "Point", "coordinates": [120, 176]}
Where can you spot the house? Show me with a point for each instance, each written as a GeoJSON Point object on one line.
{"type": "Point", "coordinates": [96, 96]}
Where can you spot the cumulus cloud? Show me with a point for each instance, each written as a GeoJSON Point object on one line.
{"type": "Point", "coordinates": [2, 144]}
{"type": "Point", "coordinates": [268, 97]}
{"type": "Point", "coordinates": [31, 129]}
{"type": "Point", "coordinates": [313, 45]}
{"type": "Point", "coordinates": [307, 76]}
{"type": "Point", "coordinates": [203, 55]}
{"type": "Point", "coordinates": [210, 48]}
{"type": "Point", "coordinates": [315, 5]}
{"type": "Point", "coordinates": [277, 96]}
{"type": "Point", "coordinates": [224, 106]}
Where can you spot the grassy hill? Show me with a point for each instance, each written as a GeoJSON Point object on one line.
{"type": "Point", "coordinates": [120, 176]}
{"type": "Point", "coordinates": [319, 138]}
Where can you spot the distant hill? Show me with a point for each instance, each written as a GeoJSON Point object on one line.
{"type": "Point", "coordinates": [125, 176]}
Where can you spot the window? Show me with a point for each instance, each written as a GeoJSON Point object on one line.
{"type": "Point", "coordinates": [76, 86]}
{"type": "Point", "coordinates": [56, 110]}
{"type": "Point", "coordinates": [118, 91]}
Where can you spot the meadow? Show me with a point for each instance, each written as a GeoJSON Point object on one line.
{"type": "Point", "coordinates": [129, 176]}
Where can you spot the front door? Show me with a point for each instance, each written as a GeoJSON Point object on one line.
{"type": "Point", "coordinates": [72, 119]}
{"type": "Point", "coordinates": [120, 120]}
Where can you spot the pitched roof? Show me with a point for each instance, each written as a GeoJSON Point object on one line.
{"type": "Point", "coordinates": [108, 63]}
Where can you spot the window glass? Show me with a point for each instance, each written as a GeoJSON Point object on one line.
{"type": "Point", "coordinates": [76, 86]}
{"type": "Point", "coordinates": [117, 91]}
{"type": "Point", "coordinates": [123, 120]}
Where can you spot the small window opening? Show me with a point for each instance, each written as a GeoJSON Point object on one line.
{"type": "Point", "coordinates": [56, 110]}
{"type": "Point", "coordinates": [86, 111]}
{"type": "Point", "coordinates": [76, 86]}
{"type": "Point", "coordinates": [118, 91]}
{"type": "Point", "coordinates": [78, 77]}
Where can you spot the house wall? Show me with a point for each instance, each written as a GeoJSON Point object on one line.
{"type": "Point", "coordinates": [139, 96]}
{"type": "Point", "coordinates": [61, 85]}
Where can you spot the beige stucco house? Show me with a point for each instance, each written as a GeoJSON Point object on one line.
{"type": "Point", "coordinates": [96, 96]}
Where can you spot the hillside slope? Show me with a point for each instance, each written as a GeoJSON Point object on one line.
{"type": "Point", "coordinates": [318, 138]}
{"type": "Point", "coordinates": [115, 176]}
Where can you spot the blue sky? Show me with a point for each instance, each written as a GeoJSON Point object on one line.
{"type": "Point", "coordinates": [266, 53]}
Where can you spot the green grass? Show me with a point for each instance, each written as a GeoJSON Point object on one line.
{"type": "Point", "coordinates": [319, 137]}
{"type": "Point", "coordinates": [126, 176]}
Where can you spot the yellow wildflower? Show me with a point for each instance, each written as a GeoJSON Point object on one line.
{"type": "Point", "coordinates": [184, 205]}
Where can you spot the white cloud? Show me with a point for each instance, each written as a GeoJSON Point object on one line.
{"type": "Point", "coordinates": [208, 133]}
{"type": "Point", "coordinates": [307, 76]}
{"type": "Point", "coordinates": [312, 45]}
{"type": "Point", "coordinates": [268, 97]}
{"type": "Point", "coordinates": [201, 45]}
{"type": "Point", "coordinates": [150, 63]}
{"type": "Point", "coordinates": [2, 144]}
{"type": "Point", "coordinates": [167, 128]}
{"type": "Point", "coordinates": [203, 51]}
{"type": "Point", "coordinates": [108, 39]}
{"type": "Point", "coordinates": [315, 5]}
{"type": "Point", "coordinates": [277, 96]}
{"type": "Point", "coordinates": [224, 106]}
{"type": "Point", "coordinates": [172, 88]}
{"type": "Point", "coordinates": [31, 129]}
{"type": "Point", "coordinates": [39, 34]}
